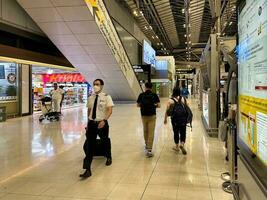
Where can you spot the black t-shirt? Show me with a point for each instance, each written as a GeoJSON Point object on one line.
{"type": "Point", "coordinates": [148, 101]}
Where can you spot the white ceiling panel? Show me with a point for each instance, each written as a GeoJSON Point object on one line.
{"type": "Point", "coordinates": [71, 27]}
{"type": "Point", "coordinates": [41, 14]}
{"type": "Point", "coordinates": [35, 3]}
{"type": "Point", "coordinates": [104, 59]}
{"type": "Point", "coordinates": [55, 28]}
{"type": "Point", "coordinates": [90, 39]}
{"type": "Point", "coordinates": [108, 66]}
{"type": "Point", "coordinates": [97, 49]}
{"type": "Point", "coordinates": [79, 59]}
{"type": "Point", "coordinates": [71, 50]}
{"type": "Point", "coordinates": [68, 2]}
{"type": "Point", "coordinates": [83, 27]}
{"type": "Point", "coordinates": [64, 39]}
{"type": "Point", "coordinates": [86, 67]}
{"type": "Point", "coordinates": [79, 13]}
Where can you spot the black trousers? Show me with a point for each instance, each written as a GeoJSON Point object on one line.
{"type": "Point", "coordinates": [90, 142]}
{"type": "Point", "coordinates": [179, 132]}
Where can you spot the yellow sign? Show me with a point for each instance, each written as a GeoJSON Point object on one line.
{"type": "Point", "coordinates": [96, 9]}
{"type": "Point", "coordinates": [253, 124]}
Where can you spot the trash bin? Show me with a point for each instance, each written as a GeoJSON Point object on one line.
{"type": "Point", "coordinates": [2, 114]}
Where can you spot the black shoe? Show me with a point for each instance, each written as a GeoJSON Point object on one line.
{"type": "Point", "coordinates": [183, 150]}
{"type": "Point", "coordinates": [86, 174]}
{"type": "Point", "coordinates": [109, 161]}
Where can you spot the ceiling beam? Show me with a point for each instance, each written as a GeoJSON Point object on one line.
{"type": "Point", "coordinates": [212, 8]}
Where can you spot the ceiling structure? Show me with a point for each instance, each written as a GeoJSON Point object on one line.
{"type": "Point", "coordinates": [181, 27]}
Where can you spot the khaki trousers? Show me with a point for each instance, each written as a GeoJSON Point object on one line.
{"type": "Point", "coordinates": [149, 123]}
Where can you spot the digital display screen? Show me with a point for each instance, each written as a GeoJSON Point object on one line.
{"type": "Point", "coordinates": [252, 71]}
{"type": "Point", "coordinates": [149, 54]}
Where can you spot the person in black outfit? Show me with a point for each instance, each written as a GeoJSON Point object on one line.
{"type": "Point", "coordinates": [99, 110]}
{"type": "Point", "coordinates": [178, 120]}
{"type": "Point", "coordinates": [148, 102]}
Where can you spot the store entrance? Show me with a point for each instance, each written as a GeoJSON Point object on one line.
{"type": "Point", "coordinates": [76, 89]}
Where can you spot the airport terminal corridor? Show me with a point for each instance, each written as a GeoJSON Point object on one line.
{"type": "Point", "coordinates": [42, 161]}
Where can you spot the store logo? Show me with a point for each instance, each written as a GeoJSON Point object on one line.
{"type": "Point", "coordinates": [63, 78]}
{"type": "Point", "coordinates": [11, 78]}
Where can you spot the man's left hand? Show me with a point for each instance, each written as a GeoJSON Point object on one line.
{"type": "Point", "coordinates": [101, 124]}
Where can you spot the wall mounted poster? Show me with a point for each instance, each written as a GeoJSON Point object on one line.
{"type": "Point", "coordinates": [252, 60]}
{"type": "Point", "coordinates": [8, 82]}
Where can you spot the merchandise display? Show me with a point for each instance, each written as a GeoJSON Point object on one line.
{"type": "Point", "coordinates": [76, 88]}
{"type": "Point", "coordinates": [252, 77]}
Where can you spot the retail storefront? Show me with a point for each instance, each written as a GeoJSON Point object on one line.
{"type": "Point", "coordinates": [75, 86]}
{"type": "Point", "coordinates": [14, 89]}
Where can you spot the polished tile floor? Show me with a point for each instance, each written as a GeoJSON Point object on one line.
{"type": "Point", "coordinates": [43, 161]}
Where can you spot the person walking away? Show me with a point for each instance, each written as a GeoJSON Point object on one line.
{"type": "Point", "coordinates": [99, 110]}
{"type": "Point", "coordinates": [176, 110]}
{"type": "Point", "coordinates": [56, 95]}
{"type": "Point", "coordinates": [184, 91]}
{"type": "Point", "coordinates": [148, 102]}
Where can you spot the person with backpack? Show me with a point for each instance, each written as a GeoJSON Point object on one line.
{"type": "Point", "coordinates": [148, 102]}
{"type": "Point", "coordinates": [180, 114]}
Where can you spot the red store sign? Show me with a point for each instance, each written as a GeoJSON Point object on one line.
{"type": "Point", "coordinates": [62, 78]}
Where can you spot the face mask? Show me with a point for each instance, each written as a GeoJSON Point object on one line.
{"type": "Point", "coordinates": [97, 88]}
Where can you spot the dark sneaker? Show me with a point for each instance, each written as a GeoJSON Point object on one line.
{"type": "Point", "coordinates": [86, 174]}
{"type": "Point", "coordinates": [109, 161]}
{"type": "Point", "coordinates": [149, 154]}
{"type": "Point", "coordinates": [183, 150]}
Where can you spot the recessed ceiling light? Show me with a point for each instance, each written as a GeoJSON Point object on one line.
{"type": "Point", "coordinates": [146, 27]}
{"type": "Point", "coordinates": [135, 13]}
{"type": "Point", "coordinates": [157, 37]}
{"type": "Point", "coordinates": [150, 27]}
{"type": "Point", "coordinates": [183, 10]}
{"type": "Point", "coordinates": [153, 37]}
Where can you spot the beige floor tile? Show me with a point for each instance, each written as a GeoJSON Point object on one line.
{"type": "Point", "coordinates": [24, 197]}
{"type": "Point", "coordinates": [193, 193]}
{"type": "Point", "coordinates": [167, 180]}
{"type": "Point", "coordinates": [31, 188]}
{"type": "Point", "coordinates": [192, 180]}
{"type": "Point", "coordinates": [219, 194]}
{"type": "Point", "coordinates": [127, 191]}
{"type": "Point", "coordinates": [156, 192]}
{"type": "Point", "coordinates": [46, 159]}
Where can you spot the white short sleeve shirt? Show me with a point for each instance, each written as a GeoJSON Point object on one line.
{"type": "Point", "coordinates": [57, 94]}
{"type": "Point", "coordinates": [103, 102]}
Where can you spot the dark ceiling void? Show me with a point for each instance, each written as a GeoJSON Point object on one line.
{"type": "Point", "coordinates": [14, 37]}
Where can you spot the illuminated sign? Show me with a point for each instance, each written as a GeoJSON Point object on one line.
{"type": "Point", "coordinates": [62, 78]}
{"type": "Point", "coordinates": [96, 9]}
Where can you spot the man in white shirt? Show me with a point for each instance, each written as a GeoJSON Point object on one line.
{"type": "Point", "coordinates": [56, 95]}
{"type": "Point", "coordinates": [99, 110]}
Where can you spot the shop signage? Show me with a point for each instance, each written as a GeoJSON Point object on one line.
{"type": "Point", "coordinates": [186, 71]}
{"type": "Point", "coordinates": [62, 78]}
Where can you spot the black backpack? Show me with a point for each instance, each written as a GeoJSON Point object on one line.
{"type": "Point", "coordinates": [179, 113]}
{"type": "Point", "coordinates": [182, 113]}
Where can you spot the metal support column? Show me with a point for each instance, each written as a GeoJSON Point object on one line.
{"type": "Point", "coordinates": [213, 122]}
